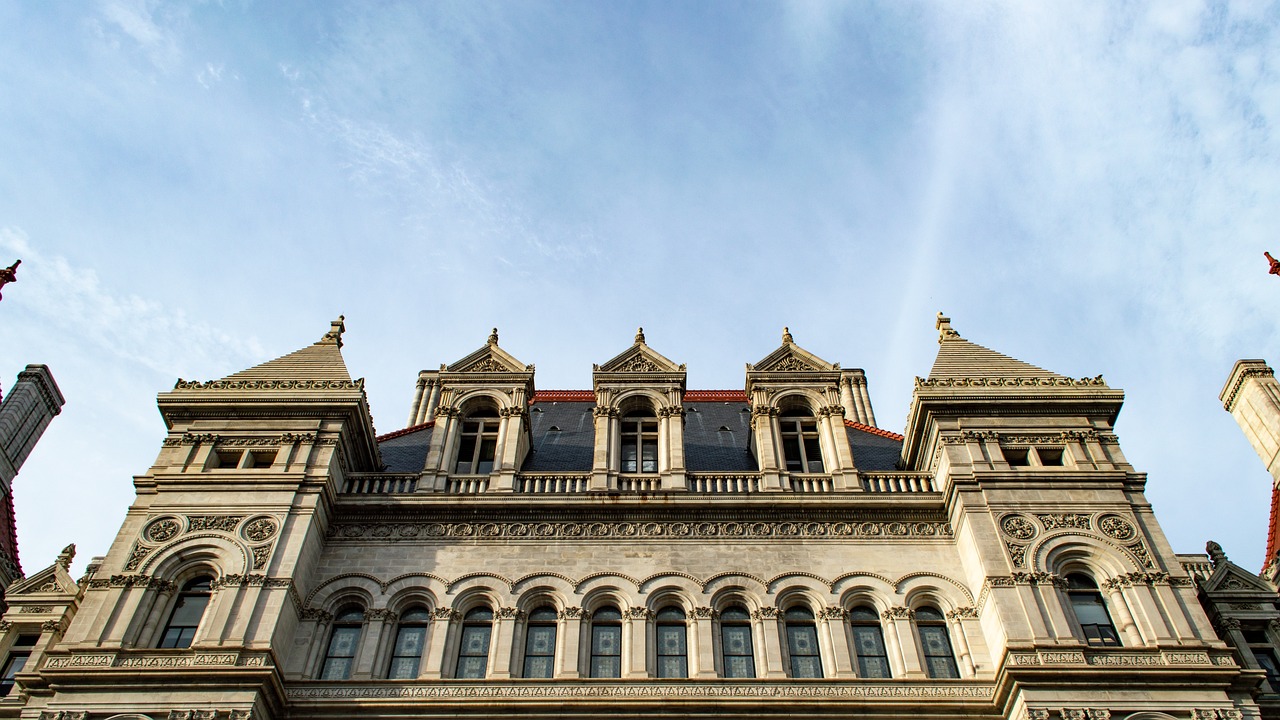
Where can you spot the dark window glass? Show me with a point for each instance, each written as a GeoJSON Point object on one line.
{"type": "Point", "coordinates": [1091, 611]}
{"type": "Point", "coordinates": [800, 446]}
{"type": "Point", "coordinates": [868, 643]}
{"type": "Point", "coordinates": [187, 612]}
{"type": "Point", "coordinates": [639, 442]}
{"type": "Point", "coordinates": [735, 643]}
{"type": "Point", "coordinates": [606, 643]}
{"type": "Point", "coordinates": [343, 643]}
{"type": "Point", "coordinates": [540, 643]}
{"type": "Point", "coordinates": [939, 661]}
{"type": "Point", "coordinates": [18, 656]}
{"type": "Point", "coordinates": [411, 640]}
{"type": "Point", "coordinates": [473, 647]}
{"type": "Point", "coordinates": [802, 643]}
{"type": "Point", "coordinates": [478, 444]}
{"type": "Point", "coordinates": [671, 636]}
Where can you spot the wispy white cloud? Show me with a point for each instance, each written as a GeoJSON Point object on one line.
{"type": "Point", "coordinates": [136, 19]}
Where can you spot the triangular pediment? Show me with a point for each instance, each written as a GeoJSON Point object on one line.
{"type": "Point", "coordinates": [790, 357]}
{"type": "Point", "coordinates": [640, 358]}
{"type": "Point", "coordinates": [1228, 577]}
{"type": "Point", "coordinates": [53, 579]}
{"type": "Point", "coordinates": [489, 358]}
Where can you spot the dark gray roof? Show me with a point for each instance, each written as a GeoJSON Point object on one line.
{"type": "Point", "coordinates": [406, 453]}
{"type": "Point", "coordinates": [567, 448]}
{"type": "Point", "coordinates": [873, 452]}
{"type": "Point", "coordinates": [707, 448]}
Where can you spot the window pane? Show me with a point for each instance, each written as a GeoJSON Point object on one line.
{"type": "Point", "coordinates": [868, 641]}
{"type": "Point", "coordinates": [649, 460]}
{"type": "Point", "coordinates": [409, 642]}
{"type": "Point", "coordinates": [813, 452]}
{"type": "Point", "coordinates": [537, 667]}
{"type": "Point", "coordinates": [475, 641]}
{"type": "Point", "coordinates": [540, 640]}
{"type": "Point", "coordinates": [802, 640]}
{"type": "Point", "coordinates": [671, 640]}
{"type": "Point", "coordinates": [736, 640]}
{"type": "Point", "coordinates": [934, 640]}
{"type": "Point", "coordinates": [403, 668]}
{"type": "Point", "coordinates": [606, 640]}
{"type": "Point", "coordinates": [344, 641]}
{"type": "Point", "coordinates": [1089, 609]}
{"type": "Point", "coordinates": [739, 667]}
{"type": "Point", "coordinates": [484, 465]}
{"type": "Point", "coordinates": [472, 667]}
{"type": "Point", "coordinates": [873, 667]}
{"type": "Point", "coordinates": [791, 450]}
{"type": "Point", "coordinates": [629, 456]}
{"type": "Point", "coordinates": [606, 667]}
{"type": "Point", "coordinates": [336, 669]}
{"type": "Point", "coordinates": [673, 667]}
{"type": "Point", "coordinates": [734, 613]}
{"type": "Point", "coordinates": [189, 609]}
{"type": "Point", "coordinates": [942, 667]}
{"type": "Point", "coordinates": [805, 667]}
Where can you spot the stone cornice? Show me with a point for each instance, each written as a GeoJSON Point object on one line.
{"type": "Point", "coordinates": [1240, 372]}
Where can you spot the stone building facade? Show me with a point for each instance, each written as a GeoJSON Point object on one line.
{"type": "Point", "coordinates": [25, 413]}
{"type": "Point", "coordinates": [638, 549]}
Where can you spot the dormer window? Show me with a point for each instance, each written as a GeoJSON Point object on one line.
{"type": "Point", "coordinates": [639, 442]}
{"type": "Point", "coordinates": [800, 446]}
{"type": "Point", "coordinates": [478, 443]}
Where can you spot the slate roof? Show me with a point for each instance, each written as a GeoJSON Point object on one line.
{"type": "Point", "coordinates": [407, 452]}
{"type": "Point", "coordinates": [873, 451]}
{"type": "Point", "coordinates": [568, 448]}
{"type": "Point", "coordinates": [707, 447]}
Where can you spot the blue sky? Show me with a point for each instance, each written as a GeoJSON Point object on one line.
{"type": "Point", "coordinates": [197, 187]}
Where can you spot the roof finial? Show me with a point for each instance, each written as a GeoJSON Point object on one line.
{"type": "Point", "coordinates": [639, 336]}
{"type": "Point", "coordinates": [1275, 264]}
{"type": "Point", "coordinates": [1216, 555]}
{"type": "Point", "coordinates": [66, 556]}
{"type": "Point", "coordinates": [336, 328]}
{"type": "Point", "coordinates": [9, 274]}
{"type": "Point", "coordinates": [945, 331]}
{"type": "Point", "coordinates": [493, 337]}
{"type": "Point", "coordinates": [786, 336]}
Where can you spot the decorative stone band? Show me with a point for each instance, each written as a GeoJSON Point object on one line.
{"type": "Point", "coordinates": [270, 385]}
{"type": "Point", "coordinates": [210, 715]}
{"type": "Point", "coordinates": [1010, 382]}
{"type": "Point", "coordinates": [139, 580]}
{"type": "Point", "coordinates": [1230, 402]}
{"type": "Point", "coordinates": [390, 532]}
{"type": "Point", "coordinates": [58, 660]}
{"type": "Point", "coordinates": [1069, 714]}
{"type": "Point", "coordinates": [1119, 658]}
{"type": "Point", "coordinates": [904, 691]}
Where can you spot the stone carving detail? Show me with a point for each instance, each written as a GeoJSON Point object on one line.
{"type": "Point", "coordinates": [1018, 527]}
{"type": "Point", "coordinates": [379, 614]}
{"type": "Point", "coordinates": [136, 556]}
{"type": "Point", "coordinates": [833, 612]}
{"type": "Point", "coordinates": [1037, 714]}
{"type": "Point", "coordinates": [260, 529]}
{"type": "Point", "coordinates": [51, 626]}
{"type": "Point", "coordinates": [261, 555]}
{"type": "Point", "coordinates": [639, 613]}
{"type": "Point", "coordinates": [638, 364]}
{"type": "Point", "coordinates": [1037, 578]}
{"type": "Point", "coordinates": [225, 523]}
{"type": "Point", "coordinates": [1072, 714]}
{"type": "Point", "coordinates": [647, 690]}
{"type": "Point", "coordinates": [270, 385]}
{"type": "Point", "coordinates": [1055, 521]}
{"type": "Point", "coordinates": [391, 532]}
{"type": "Point", "coordinates": [33, 609]}
{"type": "Point", "coordinates": [1001, 581]}
{"type": "Point", "coordinates": [162, 529]}
{"type": "Point", "coordinates": [1010, 382]}
{"type": "Point", "coordinates": [571, 613]}
{"type": "Point", "coordinates": [64, 715]}
{"type": "Point", "coordinates": [444, 613]}
{"type": "Point", "coordinates": [1017, 553]}
{"type": "Point", "coordinates": [963, 612]}
{"type": "Point", "coordinates": [5, 626]}
{"type": "Point", "coordinates": [791, 364]}
{"type": "Point", "coordinates": [142, 581]}
{"type": "Point", "coordinates": [241, 715]}
{"type": "Point", "coordinates": [1140, 551]}
{"type": "Point", "coordinates": [193, 715]}
{"type": "Point", "coordinates": [508, 613]}
{"type": "Point", "coordinates": [1229, 623]}
{"type": "Point", "coordinates": [1116, 527]}
{"type": "Point", "coordinates": [321, 616]}
{"type": "Point", "coordinates": [898, 613]}
{"type": "Point", "coordinates": [488, 364]}
{"type": "Point", "coordinates": [765, 613]}
{"type": "Point", "coordinates": [703, 613]}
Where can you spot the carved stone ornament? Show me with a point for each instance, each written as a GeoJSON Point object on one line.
{"type": "Point", "coordinates": [241, 715]}
{"type": "Point", "coordinates": [833, 612]}
{"type": "Point", "coordinates": [1229, 623]}
{"type": "Point", "coordinates": [1140, 551]}
{"type": "Point", "coordinates": [261, 554]}
{"type": "Point", "coordinates": [34, 609]}
{"type": "Point", "coordinates": [136, 556]}
{"type": "Point", "coordinates": [639, 613]}
{"type": "Point", "coordinates": [1056, 521]}
{"type": "Point", "coordinates": [887, 530]}
{"type": "Point", "coordinates": [508, 613]}
{"type": "Point", "coordinates": [225, 523]}
{"type": "Point", "coordinates": [1037, 714]}
{"type": "Point", "coordinates": [444, 613]}
{"type": "Point", "coordinates": [570, 613]}
{"type": "Point", "coordinates": [64, 715]}
{"type": "Point", "coordinates": [269, 385]}
{"type": "Point", "coordinates": [638, 364]}
{"type": "Point", "coordinates": [1072, 714]}
{"type": "Point", "coordinates": [1116, 527]}
{"type": "Point", "coordinates": [162, 529]}
{"type": "Point", "coordinates": [702, 613]}
{"type": "Point", "coordinates": [1017, 553]}
{"type": "Point", "coordinates": [791, 363]}
{"type": "Point", "coordinates": [963, 612]}
{"type": "Point", "coordinates": [318, 615]}
{"type": "Point", "coordinates": [1098, 714]}
{"type": "Point", "coordinates": [1018, 527]}
{"type": "Point", "coordinates": [54, 626]}
{"type": "Point", "coordinates": [379, 614]}
{"type": "Point", "coordinates": [898, 613]}
{"type": "Point", "coordinates": [765, 613]}
{"type": "Point", "coordinates": [261, 529]}
{"type": "Point", "coordinates": [5, 626]}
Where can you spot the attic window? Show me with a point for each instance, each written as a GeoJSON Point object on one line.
{"type": "Point", "coordinates": [693, 409]}
{"type": "Point", "coordinates": [553, 428]}
{"type": "Point", "coordinates": [724, 428]}
{"type": "Point", "coordinates": [1017, 457]}
{"type": "Point", "coordinates": [537, 409]}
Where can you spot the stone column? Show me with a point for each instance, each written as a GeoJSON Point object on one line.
{"type": "Point", "coordinates": [964, 657]}
{"type": "Point", "coordinates": [636, 630]}
{"type": "Point", "coordinates": [603, 447]}
{"type": "Point", "coordinates": [846, 400]}
{"type": "Point", "coordinates": [568, 641]}
{"type": "Point", "coordinates": [415, 410]}
{"type": "Point", "coordinates": [1119, 609]}
{"type": "Point", "coordinates": [702, 643]}
{"type": "Point", "coordinates": [904, 635]}
{"type": "Point", "coordinates": [770, 634]}
{"type": "Point", "coordinates": [675, 447]}
{"type": "Point", "coordinates": [433, 402]}
{"type": "Point", "coordinates": [319, 640]}
{"type": "Point", "coordinates": [834, 634]}
{"type": "Point", "coordinates": [433, 661]}
{"type": "Point", "coordinates": [867, 412]}
{"type": "Point", "coordinates": [504, 625]}
{"type": "Point", "coordinates": [375, 623]}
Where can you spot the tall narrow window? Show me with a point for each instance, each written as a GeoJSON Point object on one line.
{"type": "Point", "coordinates": [736, 651]}
{"type": "Point", "coordinates": [18, 656]}
{"type": "Point", "coordinates": [939, 661]}
{"type": "Point", "coordinates": [606, 643]}
{"type": "Point", "coordinates": [411, 639]}
{"type": "Point", "coordinates": [800, 446]}
{"type": "Point", "coordinates": [802, 643]}
{"type": "Point", "coordinates": [187, 612]}
{"type": "Point", "coordinates": [671, 635]}
{"type": "Point", "coordinates": [540, 643]}
{"type": "Point", "coordinates": [868, 643]}
{"type": "Point", "coordinates": [478, 444]}
{"type": "Point", "coordinates": [1091, 611]}
{"type": "Point", "coordinates": [473, 648]}
{"type": "Point", "coordinates": [1262, 650]}
{"type": "Point", "coordinates": [343, 643]}
{"type": "Point", "coordinates": [639, 442]}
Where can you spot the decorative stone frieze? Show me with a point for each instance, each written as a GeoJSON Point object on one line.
{"type": "Point", "coordinates": [833, 612]}
{"type": "Point", "coordinates": [270, 385]}
{"type": "Point", "coordinates": [378, 614]}
{"type": "Point", "coordinates": [834, 690]}
{"type": "Point", "coordinates": [961, 613]}
{"type": "Point", "coordinates": [703, 612]}
{"type": "Point", "coordinates": [667, 530]}
{"type": "Point", "coordinates": [570, 613]}
{"type": "Point", "coordinates": [224, 523]}
{"type": "Point", "coordinates": [1007, 382]}
{"type": "Point", "coordinates": [1056, 521]}
{"type": "Point", "coordinates": [446, 614]}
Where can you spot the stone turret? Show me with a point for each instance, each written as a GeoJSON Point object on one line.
{"type": "Point", "coordinates": [1252, 396]}
{"type": "Point", "coordinates": [27, 410]}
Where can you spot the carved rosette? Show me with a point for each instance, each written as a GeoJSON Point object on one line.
{"type": "Point", "coordinates": [162, 529]}
{"type": "Point", "coordinates": [1117, 528]}
{"type": "Point", "coordinates": [260, 529]}
{"type": "Point", "coordinates": [1018, 527]}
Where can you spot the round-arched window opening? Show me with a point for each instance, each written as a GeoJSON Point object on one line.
{"type": "Point", "coordinates": [1091, 611]}
{"type": "Point", "coordinates": [606, 643]}
{"type": "Point", "coordinates": [935, 641]}
{"type": "Point", "coordinates": [639, 428]}
{"type": "Point", "coordinates": [478, 442]}
{"type": "Point", "coordinates": [736, 651]}
{"type": "Point", "coordinates": [540, 643]}
{"type": "Point", "coordinates": [801, 448]}
{"type": "Point", "coordinates": [802, 643]}
{"type": "Point", "coordinates": [671, 639]}
{"type": "Point", "coordinates": [411, 640]}
{"type": "Point", "coordinates": [188, 610]}
{"type": "Point", "coordinates": [343, 643]}
{"type": "Point", "coordinates": [868, 643]}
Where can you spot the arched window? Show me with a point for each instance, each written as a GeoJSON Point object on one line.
{"type": "Point", "coordinates": [671, 635]}
{"type": "Point", "coordinates": [802, 643]}
{"type": "Point", "coordinates": [939, 661]}
{"type": "Point", "coordinates": [606, 643]}
{"type": "Point", "coordinates": [800, 446]}
{"type": "Point", "coordinates": [540, 643]}
{"type": "Point", "coordinates": [343, 643]}
{"type": "Point", "coordinates": [187, 612]}
{"type": "Point", "coordinates": [473, 648]}
{"type": "Point", "coordinates": [868, 643]}
{"type": "Point", "coordinates": [478, 443]}
{"type": "Point", "coordinates": [639, 442]}
{"type": "Point", "coordinates": [736, 651]}
{"type": "Point", "coordinates": [411, 638]}
{"type": "Point", "coordinates": [1091, 611]}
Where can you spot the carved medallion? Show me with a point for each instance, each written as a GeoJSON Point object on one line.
{"type": "Point", "coordinates": [1018, 527]}
{"type": "Point", "coordinates": [260, 529]}
{"type": "Point", "coordinates": [1117, 527]}
{"type": "Point", "coordinates": [162, 529]}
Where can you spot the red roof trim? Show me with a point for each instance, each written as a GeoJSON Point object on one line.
{"type": "Point", "coordinates": [406, 431]}
{"type": "Point", "coordinates": [715, 396]}
{"type": "Point", "coordinates": [874, 430]}
{"type": "Point", "coordinates": [564, 396]}
{"type": "Point", "coordinates": [1272, 527]}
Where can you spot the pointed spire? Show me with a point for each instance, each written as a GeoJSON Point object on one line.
{"type": "Point", "coordinates": [336, 328]}
{"type": "Point", "coordinates": [493, 337]}
{"type": "Point", "coordinates": [945, 331]}
{"type": "Point", "coordinates": [639, 336]}
{"type": "Point", "coordinates": [786, 336]}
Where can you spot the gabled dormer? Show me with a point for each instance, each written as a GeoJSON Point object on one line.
{"type": "Point", "coordinates": [639, 421]}
{"type": "Point", "coordinates": [799, 403]}
{"type": "Point", "coordinates": [480, 408]}
{"type": "Point", "coordinates": [982, 410]}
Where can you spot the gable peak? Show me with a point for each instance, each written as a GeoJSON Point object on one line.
{"type": "Point", "coordinates": [334, 336]}
{"type": "Point", "coordinates": [945, 331]}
